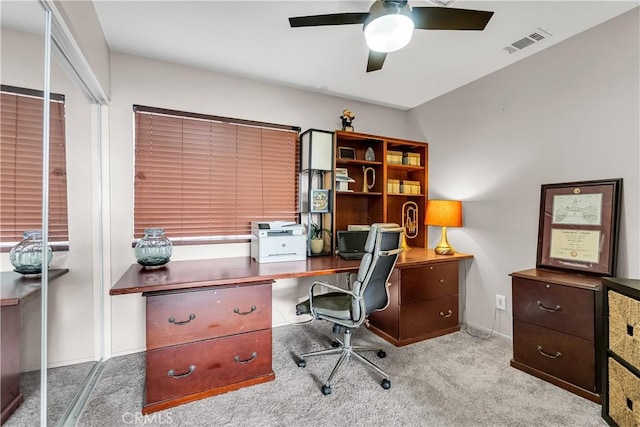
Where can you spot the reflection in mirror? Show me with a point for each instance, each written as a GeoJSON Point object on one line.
{"type": "Point", "coordinates": [73, 338]}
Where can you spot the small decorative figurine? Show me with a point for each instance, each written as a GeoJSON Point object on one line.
{"type": "Point", "coordinates": [347, 120]}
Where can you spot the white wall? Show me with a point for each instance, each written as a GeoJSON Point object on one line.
{"type": "Point", "coordinates": [568, 113]}
{"type": "Point", "coordinates": [71, 325]}
{"type": "Point", "coordinates": [136, 80]}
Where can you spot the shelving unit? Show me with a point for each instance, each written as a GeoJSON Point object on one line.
{"type": "Point", "coordinates": [381, 203]}
{"type": "Point", "coordinates": [317, 186]}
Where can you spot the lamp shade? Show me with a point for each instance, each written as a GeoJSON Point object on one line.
{"type": "Point", "coordinates": [444, 213]}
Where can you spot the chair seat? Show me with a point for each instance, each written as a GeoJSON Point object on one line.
{"type": "Point", "coordinates": [333, 304]}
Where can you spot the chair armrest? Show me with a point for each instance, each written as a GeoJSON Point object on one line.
{"type": "Point", "coordinates": [330, 286]}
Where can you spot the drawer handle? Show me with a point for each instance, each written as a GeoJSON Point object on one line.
{"type": "Point", "coordinates": [449, 313]}
{"type": "Point", "coordinates": [183, 322]}
{"type": "Point", "coordinates": [172, 373]}
{"type": "Point", "coordinates": [550, 310]}
{"type": "Point", "coordinates": [244, 313]}
{"type": "Point", "coordinates": [550, 356]}
{"type": "Point", "coordinates": [253, 356]}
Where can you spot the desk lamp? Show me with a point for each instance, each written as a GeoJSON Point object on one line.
{"type": "Point", "coordinates": [444, 213]}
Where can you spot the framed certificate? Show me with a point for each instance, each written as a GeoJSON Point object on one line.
{"type": "Point", "coordinates": [578, 226]}
{"type": "Point", "coordinates": [320, 201]}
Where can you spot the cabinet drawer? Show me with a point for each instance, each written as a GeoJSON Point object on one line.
{"type": "Point", "coordinates": [428, 282]}
{"type": "Point", "coordinates": [563, 356]}
{"type": "Point", "coordinates": [192, 316]}
{"type": "Point", "coordinates": [428, 316]}
{"type": "Point", "coordinates": [562, 308]}
{"type": "Point", "coordinates": [191, 368]}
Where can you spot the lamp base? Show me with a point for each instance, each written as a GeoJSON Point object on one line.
{"type": "Point", "coordinates": [444, 248]}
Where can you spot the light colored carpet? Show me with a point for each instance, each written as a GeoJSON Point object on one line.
{"type": "Point", "coordinates": [62, 385]}
{"type": "Point", "coordinates": [454, 380]}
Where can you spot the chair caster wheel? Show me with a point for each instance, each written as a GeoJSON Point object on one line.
{"type": "Point", "coordinates": [386, 384]}
{"type": "Point", "coordinates": [302, 363]}
{"type": "Point", "coordinates": [326, 389]}
{"type": "Point", "coordinates": [381, 354]}
{"type": "Point", "coordinates": [335, 344]}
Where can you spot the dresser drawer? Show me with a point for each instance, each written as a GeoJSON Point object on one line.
{"type": "Point", "coordinates": [191, 368]}
{"type": "Point", "coordinates": [428, 316]}
{"type": "Point", "coordinates": [180, 318]}
{"type": "Point", "coordinates": [562, 308]}
{"type": "Point", "coordinates": [564, 356]}
{"type": "Point", "coordinates": [428, 282]}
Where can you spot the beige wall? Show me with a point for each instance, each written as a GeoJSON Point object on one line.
{"type": "Point", "coordinates": [568, 113]}
{"type": "Point", "coordinates": [136, 80]}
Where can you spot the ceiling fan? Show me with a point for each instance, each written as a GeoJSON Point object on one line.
{"type": "Point", "coordinates": [389, 24]}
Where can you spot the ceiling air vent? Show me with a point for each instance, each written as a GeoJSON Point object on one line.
{"type": "Point", "coordinates": [533, 37]}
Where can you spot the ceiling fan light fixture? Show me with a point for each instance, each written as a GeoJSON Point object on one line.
{"type": "Point", "coordinates": [389, 28]}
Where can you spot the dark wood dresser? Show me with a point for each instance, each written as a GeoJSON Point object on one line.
{"type": "Point", "coordinates": [206, 342]}
{"type": "Point", "coordinates": [423, 303]}
{"type": "Point", "coordinates": [15, 289]}
{"type": "Point", "coordinates": [621, 352]}
{"type": "Point", "coordinates": [556, 328]}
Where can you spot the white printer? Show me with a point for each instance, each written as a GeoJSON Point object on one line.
{"type": "Point", "coordinates": [276, 241]}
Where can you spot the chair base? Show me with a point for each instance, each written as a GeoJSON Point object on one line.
{"type": "Point", "coordinates": [346, 351]}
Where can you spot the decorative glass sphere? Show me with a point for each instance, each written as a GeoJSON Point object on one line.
{"type": "Point", "coordinates": [154, 249]}
{"type": "Point", "coordinates": [26, 256]}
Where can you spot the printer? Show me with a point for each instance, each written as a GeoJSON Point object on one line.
{"type": "Point", "coordinates": [277, 241]}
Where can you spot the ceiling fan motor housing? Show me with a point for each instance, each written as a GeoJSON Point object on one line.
{"type": "Point", "coordinates": [389, 26]}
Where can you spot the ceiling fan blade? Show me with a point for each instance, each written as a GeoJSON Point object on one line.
{"type": "Point", "coordinates": [376, 60]}
{"type": "Point", "coordinates": [331, 19]}
{"type": "Point", "coordinates": [442, 18]}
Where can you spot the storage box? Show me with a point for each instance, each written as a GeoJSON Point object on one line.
{"type": "Point", "coordinates": [624, 328]}
{"type": "Point", "coordinates": [410, 187]}
{"type": "Point", "coordinates": [624, 395]}
{"type": "Point", "coordinates": [394, 157]}
{"type": "Point", "coordinates": [393, 186]}
{"type": "Point", "coordinates": [412, 159]}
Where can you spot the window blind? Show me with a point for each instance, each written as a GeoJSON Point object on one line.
{"type": "Point", "coordinates": [205, 180]}
{"type": "Point", "coordinates": [21, 112]}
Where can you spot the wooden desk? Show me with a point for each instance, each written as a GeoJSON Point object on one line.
{"type": "Point", "coordinates": [15, 289]}
{"type": "Point", "coordinates": [181, 325]}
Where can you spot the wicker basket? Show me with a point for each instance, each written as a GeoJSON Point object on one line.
{"type": "Point", "coordinates": [624, 327]}
{"type": "Point", "coordinates": [624, 395]}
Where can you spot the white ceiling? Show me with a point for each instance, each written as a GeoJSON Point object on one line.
{"type": "Point", "coordinates": [253, 39]}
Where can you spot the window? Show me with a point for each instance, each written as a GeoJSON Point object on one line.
{"type": "Point", "coordinates": [205, 178]}
{"type": "Point", "coordinates": [21, 166]}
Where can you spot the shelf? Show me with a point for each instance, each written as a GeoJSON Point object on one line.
{"type": "Point", "coordinates": [405, 194]}
{"type": "Point", "coordinates": [360, 193]}
{"type": "Point", "coordinates": [347, 162]}
{"type": "Point", "coordinates": [404, 167]}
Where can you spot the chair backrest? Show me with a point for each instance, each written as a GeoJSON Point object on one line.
{"type": "Point", "coordinates": [381, 253]}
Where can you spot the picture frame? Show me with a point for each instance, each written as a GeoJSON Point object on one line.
{"type": "Point", "coordinates": [320, 201]}
{"type": "Point", "coordinates": [347, 153]}
{"type": "Point", "coordinates": [578, 226]}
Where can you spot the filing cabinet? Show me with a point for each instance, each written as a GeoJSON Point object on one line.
{"type": "Point", "coordinates": [621, 350]}
{"type": "Point", "coordinates": [423, 303]}
{"type": "Point", "coordinates": [205, 342]}
{"type": "Point", "coordinates": [556, 328]}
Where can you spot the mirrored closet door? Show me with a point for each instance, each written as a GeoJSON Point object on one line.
{"type": "Point", "coordinates": [70, 315]}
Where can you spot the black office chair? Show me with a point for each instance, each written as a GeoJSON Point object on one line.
{"type": "Point", "coordinates": [348, 308]}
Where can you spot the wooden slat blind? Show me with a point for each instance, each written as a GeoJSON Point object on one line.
{"type": "Point", "coordinates": [206, 180]}
{"type": "Point", "coordinates": [21, 168]}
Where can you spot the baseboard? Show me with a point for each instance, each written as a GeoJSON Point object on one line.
{"type": "Point", "coordinates": [486, 331]}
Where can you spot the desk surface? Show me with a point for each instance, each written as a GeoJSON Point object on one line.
{"type": "Point", "coordinates": [16, 287]}
{"type": "Point", "coordinates": [243, 270]}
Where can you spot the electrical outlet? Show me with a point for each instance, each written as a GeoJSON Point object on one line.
{"type": "Point", "coordinates": [501, 302]}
